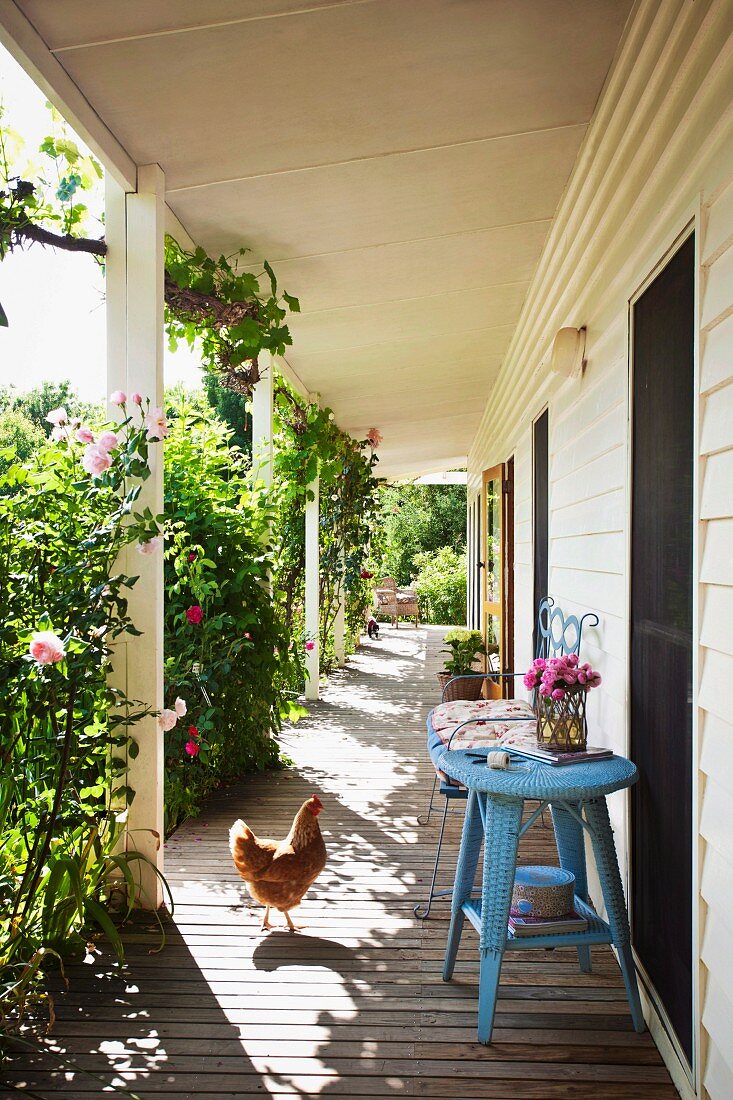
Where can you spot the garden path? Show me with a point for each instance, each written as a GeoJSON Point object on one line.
{"type": "Point", "coordinates": [355, 1005]}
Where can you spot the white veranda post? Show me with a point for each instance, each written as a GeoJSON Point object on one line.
{"type": "Point", "coordinates": [339, 623]}
{"type": "Point", "coordinates": [135, 301]}
{"type": "Point", "coordinates": [312, 592]}
{"type": "Point", "coordinates": [262, 401]}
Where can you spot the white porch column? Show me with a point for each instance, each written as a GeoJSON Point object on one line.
{"type": "Point", "coordinates": [339, 626]}
{"type": "Point", "coordinates": [135, 235]}
{"type": "Point", "coordinates": [312, 592]}
{"type": "Point", "coordinates": [262, 403]}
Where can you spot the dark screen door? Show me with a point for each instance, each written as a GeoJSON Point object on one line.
{"type": "Point", "coordinates": [661, 635]}
{"type": "Point", "coordinates": [540, 463]}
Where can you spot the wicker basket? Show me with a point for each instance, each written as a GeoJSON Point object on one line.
{"type": "Point", "coordinates": [561, 723]}
{"type": "Point", "coordinates": [461, 689]}
{"type": "Point", "coordinates": [543, 891]}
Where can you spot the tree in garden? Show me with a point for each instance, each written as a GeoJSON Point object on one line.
{"type": "Point", "coordinates": [418, 519]}
{"type": "Point", "coordinates": [19, 438]}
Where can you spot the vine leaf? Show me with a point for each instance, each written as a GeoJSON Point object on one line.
{"type": "Point", "coordinates": [273, 280]}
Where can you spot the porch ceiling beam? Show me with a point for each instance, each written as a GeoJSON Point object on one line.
{"type": "Point", "coordinates": [24, 43]}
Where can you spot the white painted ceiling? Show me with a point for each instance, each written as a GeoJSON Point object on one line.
{"type": "Point", "coordinates": [399, 163]}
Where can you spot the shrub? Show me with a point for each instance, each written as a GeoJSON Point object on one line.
{"type": "Point", "coordinates": [19, 438]}
{"type": "Point", "coordinates": [418, 519]}
{"type": "Point", "coordinates": [227, 653]}
{"type": "Point", "coordinates": [441, 586]}
{"type": "Point", "coordinates": [63, 781]}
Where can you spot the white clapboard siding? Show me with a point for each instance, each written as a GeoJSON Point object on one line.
{"type": "Point", "coordinates": [716, 638]}
{"type": "Point", "coordinates": [658, 157]}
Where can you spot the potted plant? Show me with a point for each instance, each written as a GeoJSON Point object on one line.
{"type": "Point", "coordinates": [464, 648]}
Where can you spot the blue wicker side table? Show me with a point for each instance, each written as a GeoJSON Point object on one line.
{"type": "Point", "coordinates": [577, 798]}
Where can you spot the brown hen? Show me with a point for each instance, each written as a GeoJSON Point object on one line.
{"type": "Point", "coordinates": [278, 873]}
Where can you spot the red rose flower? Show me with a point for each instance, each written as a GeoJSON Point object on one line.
{"type": "Point", "coordinates": [193, 731]}
{"type": "Point", "coordinates": [194, 614]}
{"type": "Point", "coordinates": [192, 748]}
{"type": "Point", "coordinates": [192, 556]}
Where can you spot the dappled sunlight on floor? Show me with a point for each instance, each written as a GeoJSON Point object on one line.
{"type": "Point", "coordinates": [354, 1005]}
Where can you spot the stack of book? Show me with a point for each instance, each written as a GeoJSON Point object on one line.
{"type": "Point", "coordinates": [557, 758]}
{"type": "Point", "coordinates": [522, 925]}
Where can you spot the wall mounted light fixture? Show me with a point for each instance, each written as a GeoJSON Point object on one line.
{"type": "Point", "coordinates": [568, 352]}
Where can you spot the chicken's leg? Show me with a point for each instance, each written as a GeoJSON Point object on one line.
{"type": "Point", "coordinates": [265, 926]}
{"type": "Point", "coordinates": [291, 926]}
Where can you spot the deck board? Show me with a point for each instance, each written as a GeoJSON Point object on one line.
{"type": "Point", "coordinates": [355, 1005]}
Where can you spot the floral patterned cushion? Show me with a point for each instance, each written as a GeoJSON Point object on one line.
{"type": "Point", "coordinates": [505, 715]}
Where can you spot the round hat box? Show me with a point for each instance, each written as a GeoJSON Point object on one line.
{"type": "Point", "coordinates": [543, 891]}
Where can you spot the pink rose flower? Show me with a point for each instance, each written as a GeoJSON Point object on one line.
{"type": "Point", "coordinates": [84, 435]}
{"type": "Point", "coordinates": [75, 422]}
{"type": "Point", "coordinates": [374, 437]}
{"type": "Point", "coordinates": [558, 693]}
{"type": "Point", "coordinates": [180, 707]}
{"type": "Point", "coordinates": [194, 614]}
{"type": "Point", "coordinates": [156, 424]}
{"type": "Point", "coordinates": [108, 441]}
{"type": "Point", "coordinates": [46, 648]}
{"type": "Point", "coordinates": [57, 416]}
{"type": "Point", "coordinates": [545, 689]}
{"type": "Point", "coordinates": [57, 434]}
{"type": "Point", "coordinates": [310, 646]}
{"type": "Point", "coordinates": [119, 397]}
{"type": "Point", "coordinates": [151, 546]}
{"type": "Point", "coordinates": [248, 636]}
{"type": "Point", "coordinates": [192, 748]}
{"type": "Point", "coordinates": [136, 398]}
{"type": "Point", "coordinates": [167, 720]}
{"type": "Point", "coordinates": [594, 680]}
{"type": "Point", "coordinates": [95, 460]}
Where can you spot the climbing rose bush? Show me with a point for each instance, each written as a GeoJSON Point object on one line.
{"type": "Point", "coordinates": [65, 517]}
{"type": "Point", "coordinates": [228, 654]}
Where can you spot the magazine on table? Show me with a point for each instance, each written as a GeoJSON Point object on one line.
{"type": "Point", "coordinates": [521, 924]}
{"type": "Point", "coordinates": [556, 758]}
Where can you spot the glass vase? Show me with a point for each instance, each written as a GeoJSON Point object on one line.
{"type": "Point", "coordinates": [561, 723]}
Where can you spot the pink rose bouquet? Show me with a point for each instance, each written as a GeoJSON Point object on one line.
{"type": "Point", "coordinates": [555, 676]}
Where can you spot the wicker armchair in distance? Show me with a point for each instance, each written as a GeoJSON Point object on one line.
{"type": "Point", "coordinates": [396, 603]}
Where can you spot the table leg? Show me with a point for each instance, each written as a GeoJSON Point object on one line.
{"type": "Point", "coordinates": [604, 849]}
{"type": "Point", "coordinates": [571, 850]}
{"type": "Point", "coordinates": [468, 854]}
{"type": "Point", "coordinates": [503, 822]}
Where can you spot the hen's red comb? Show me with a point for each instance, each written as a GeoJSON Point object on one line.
{"type": "Point", "coordinates": [316, 799]}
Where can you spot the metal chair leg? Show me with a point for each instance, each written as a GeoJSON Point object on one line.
{"type": "Point", "coordinates": [422, 909]}
{"type": "Point", "coordinates": [430, 807]}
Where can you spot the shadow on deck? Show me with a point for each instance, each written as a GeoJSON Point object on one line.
{"type": "Point", "coordinates": [355, 1005]}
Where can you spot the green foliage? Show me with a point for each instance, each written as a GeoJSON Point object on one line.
{"type": "Point", "coordinates": [64, 734]}
{"type": "Point", "coordinates": [46, 196]}
{"type": "Point", "coordinates": [235, 669]}
{"type": "Point", "coordinates": [19, 438]}
{"type": "Point", "coordinates": [36, 404]}
{"type": "Point", "coordinates": [440, 583]}
{"type": "Point", "coordinates": [221, 306]}
{"type": "Point", "coordinates": [464, 646]}
{"type": "Point", "coordinates": [233, 409]}
{"type": "Point", "coordinates": [420, 519]}
{"type": "Point", "coordinates": [309, 444]}
{"type": "Point", "coordinates": [60, 180]}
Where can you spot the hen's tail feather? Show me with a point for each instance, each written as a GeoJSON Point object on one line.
{"type": "Point", "coordinates": [250, 855]}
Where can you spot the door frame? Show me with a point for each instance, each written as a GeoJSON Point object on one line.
{"type": "Point", "coordinates": [504, 473]}
{"type": "Point", "coordinates": [688, 1076]}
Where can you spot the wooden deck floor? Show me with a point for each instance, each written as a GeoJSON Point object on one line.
{"type": "Point", "coordinates": [355, 1005]}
